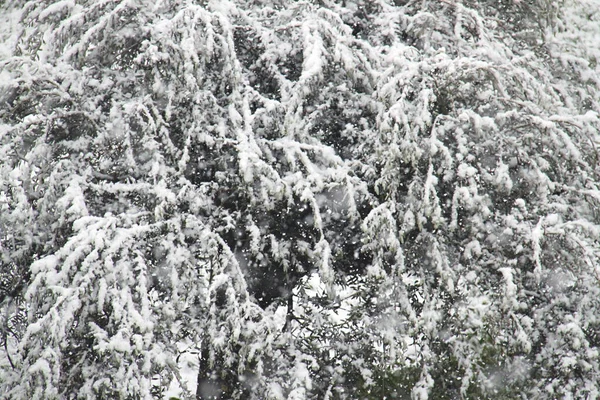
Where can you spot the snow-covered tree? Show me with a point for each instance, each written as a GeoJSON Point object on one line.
{"type": "Point", "coordinates": [299, 200]}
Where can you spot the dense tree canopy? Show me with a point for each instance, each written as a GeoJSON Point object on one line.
{"type": "Point", "coordinates": [299, 200]}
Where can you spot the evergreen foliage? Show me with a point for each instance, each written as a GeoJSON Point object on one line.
{"type": "Point", "coordinates": [358, 199]}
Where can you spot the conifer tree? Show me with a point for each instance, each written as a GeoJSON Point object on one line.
{"type": "Point", "coordinates": [299, 200]}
